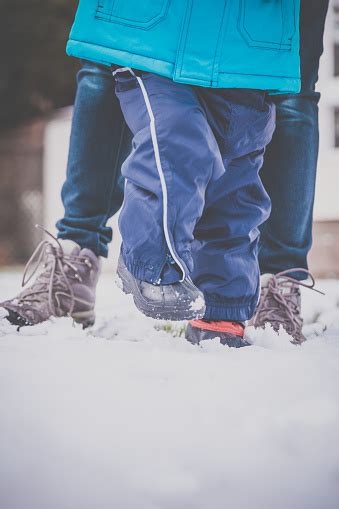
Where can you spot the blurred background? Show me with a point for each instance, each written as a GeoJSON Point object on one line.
{"type": "Point", "coordinates": [37, 88]}
{"type": "Point", "coordinates": [37, 81]}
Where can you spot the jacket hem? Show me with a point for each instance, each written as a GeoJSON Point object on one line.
{"type": "Point", "coordinates": [108, 56]}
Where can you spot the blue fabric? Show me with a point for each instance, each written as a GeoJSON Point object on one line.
{"type": "Point", "coordinates": [288, 172]}
{"type": "Point", "coordinates": [224, 44]}
{"type": "Point", "coordinates": [290, 165]}
{"type": "Point", "coordinates": [100, 141]}
{"type": "Point", "coordinates": [91, 194]}
{"type": "Point", "coordinates": [211, 145]}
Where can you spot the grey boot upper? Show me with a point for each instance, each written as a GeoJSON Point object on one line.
{"type": "Point", "coordinates": [64, 287]}
{"type": "Point", "coordinates": [280, 303]}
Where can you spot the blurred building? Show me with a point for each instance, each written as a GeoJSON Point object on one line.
{"type": "Point", "coordinates": [21, 195]}
{"type": "Point", "coordinates": [327, 205]}
{"type": "Point", "coordinates": [325, 254]}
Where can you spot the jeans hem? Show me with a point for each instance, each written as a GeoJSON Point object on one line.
{"type": "Point", "coordinates": [97, 248]}
{"type": "Point", "coordinates": [299, 276]}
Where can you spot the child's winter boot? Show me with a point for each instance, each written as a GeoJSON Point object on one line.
{"type": "Point", "coordinates": [178, 301]}
{"type": "Point", "coordinates": [229, 333]}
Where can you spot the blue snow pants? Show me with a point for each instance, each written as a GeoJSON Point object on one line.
{"type": "Point", "coordinates": [193, 196]}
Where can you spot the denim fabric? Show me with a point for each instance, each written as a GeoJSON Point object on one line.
{"type": "Point", "coordinates": [211, 145]}
{"type": "Point", "coordinates": [290, 165]}
{"type": "Point", "coordinates": [100, 141]}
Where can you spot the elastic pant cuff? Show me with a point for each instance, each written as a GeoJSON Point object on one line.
{"type": "Point", "coordinates": [229, 313]}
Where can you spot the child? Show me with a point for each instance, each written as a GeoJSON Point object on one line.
{"type": "Point", "coordinates": [197, 158]}
{"type": "Point", "coordinates": [192, 85]}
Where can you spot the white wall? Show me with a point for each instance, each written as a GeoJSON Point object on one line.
{"type": "Point", "coordinates": [55, 160]}
{"type": "Point", "coordinates": [327, 202]}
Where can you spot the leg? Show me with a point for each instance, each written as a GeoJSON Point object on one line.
{"type": "Point", "coordinates": [174, 157]}
{"type": "Point", "coordinates": [226, 242]}
{"type": "Point", "coordinates": [289, 175]}
{"type": "Point", "coordinates": [99, 142]}
{"type": "Point", "coordinates": [289, 169]}
{"type": "Point", "coordinates": [226, 238]}
{"type": "Point", "coordinates": [66, 285]}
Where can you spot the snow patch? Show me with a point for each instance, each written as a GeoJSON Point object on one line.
{"type": "Point", "coordinates": [269, 338]}
{"type": "Point", "coordinates": [118, 282]}
{"type": "Point", "coordinates": [198, 304]}
{"type": "Point", "coordinates": [124, 415]}
{"type": "Point", "coordinates": [3, 313]}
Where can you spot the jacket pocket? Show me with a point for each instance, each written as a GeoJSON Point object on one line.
{"type": "Point", "coordinates": [268, 23]}
{"type": "Point", "coordinates": [136, 13]}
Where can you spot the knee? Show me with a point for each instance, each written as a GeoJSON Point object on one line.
{"type": "Point", "coordinates": [94, 76]}
{"type": "Point", "coordinates": [298, 108]}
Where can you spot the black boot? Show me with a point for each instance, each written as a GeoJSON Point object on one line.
{"type": "Point", "coordinates": [177, 301]}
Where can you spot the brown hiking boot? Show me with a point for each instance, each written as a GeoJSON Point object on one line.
{"type": "Point", "coordinates": [280, 303]}
{"type": "Point", "coordinates": [65, 286]}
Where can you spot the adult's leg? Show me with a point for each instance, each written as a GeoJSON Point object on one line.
{"type": "Point", "coordinates": [289, 170]}
{"type": "Point", "coordinates": [100, 141]}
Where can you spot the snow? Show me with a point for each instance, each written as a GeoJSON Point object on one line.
{"type": "Point", "coordinates": [130, 417]}
{"type": "Point", "coordinates": [198, 304]}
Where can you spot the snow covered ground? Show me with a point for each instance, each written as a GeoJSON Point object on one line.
{"type": "Point", "coordinates": [129, 417]}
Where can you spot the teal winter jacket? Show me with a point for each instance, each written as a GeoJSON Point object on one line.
{"type": "Point", "coordinates": [211, 43]}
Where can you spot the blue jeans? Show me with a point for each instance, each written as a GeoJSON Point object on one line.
{"type": "Point", "coordinates": [100, 141]}
{"type": "Point", "coordinates": [290, 163]}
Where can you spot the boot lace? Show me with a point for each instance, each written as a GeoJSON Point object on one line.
{"type": "Point", "coordinates": [280, 302]}
{"type": "Point", "coordinates": [55, 281]}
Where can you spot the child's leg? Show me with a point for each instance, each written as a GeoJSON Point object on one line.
{"type": "Point", "coordinates": [174, 157]}
{"type": "Point", "coordinates": [225, 250]}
